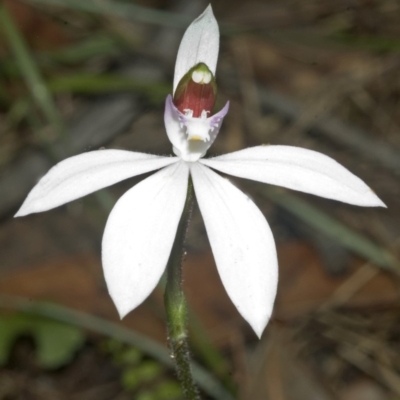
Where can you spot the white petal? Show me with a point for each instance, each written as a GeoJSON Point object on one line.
{"type": "Point", "coordinates": [242, 244]}
{"type": "Point", "coordinates": [200, 43]}
{"type": "Point", "coordinates": [177, 127]}
{"type": "Point", "coordinates": [85, 173]}
{"type": "Point", "coordinates": [139, 235]}
{"type": "Point", "coordinates": [298, 169]}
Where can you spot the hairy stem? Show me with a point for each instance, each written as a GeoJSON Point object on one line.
{"type": "Point", "coordinates": [175, 305]}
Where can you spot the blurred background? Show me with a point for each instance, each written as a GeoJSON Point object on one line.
{"type": "Point", "coordinates": [79, 75]}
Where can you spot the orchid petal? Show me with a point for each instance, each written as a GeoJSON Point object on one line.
{"type": "Point", "coordinates": [139, 235]}
{"type": "Point", "coordinates": [242, 244]}
{"type": "Point", "coordinates": [177, 125]}
{"type": "Point", "coordinates": [200, 43]}
{"type": "Point", "coordinates": [298, 169]}
{"type": "Point", "coordinates": [85, 173]}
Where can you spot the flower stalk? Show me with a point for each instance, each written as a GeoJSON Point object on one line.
{"type": "Point", "coordinates": [175, 304]}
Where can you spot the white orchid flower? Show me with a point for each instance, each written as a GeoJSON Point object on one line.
{"type": "Point", "coordinates": [141, 228]}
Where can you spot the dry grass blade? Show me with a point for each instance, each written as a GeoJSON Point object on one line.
{"type": "Point", "coordinates": [29, 71]}
{"type": "Point", "coordinates": [350, 239]}
{"type": "Point", "coordinates": [125, 10]}
{"type": "Point", "coordinates": [349, 136]}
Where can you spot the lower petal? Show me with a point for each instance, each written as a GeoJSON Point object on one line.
{"type": "Point", "coordinates": [139, 235]}
{"type": "Point", "coordinates": [242, 244]}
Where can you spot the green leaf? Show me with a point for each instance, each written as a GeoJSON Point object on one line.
{"type": "Point", "coordinates": [144, 373]}
{"type": "Point", "coordinates": [146, 395]}
{"type": "Point", "coordinates": [10, 329]}
{"type": "Point", "coordinates": [130, 356]}
{"type": "Point", "coordinates": [56, 342]}
{"type": "Point", "coordinates": [130, 379]}
{"type": "Point", "coordinates": [169, 390]}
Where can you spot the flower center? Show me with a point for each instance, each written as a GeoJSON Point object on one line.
{"type": "Point", "coordinates": [197, 128]}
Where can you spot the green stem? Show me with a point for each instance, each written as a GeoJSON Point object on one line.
{"type": "Point", "coordinates": [175, 305]}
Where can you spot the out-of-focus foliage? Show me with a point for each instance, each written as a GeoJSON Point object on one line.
{"type": "Point", "coordinates": [56, 343]}
{"type": "Point", "coordinates": [143, 377]}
